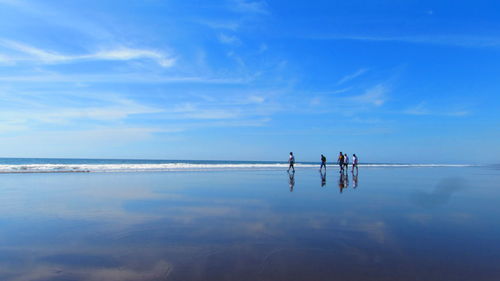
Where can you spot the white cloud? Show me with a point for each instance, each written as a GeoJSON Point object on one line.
{"type": "Point", "coordinates": [447, 40]}
{"type": "Point", "coordinates": [211, 114]}
{"type": "Point", "coordinates": [339, 91]}
{"type": "Point", "coordinates": [240, 123]}
{"type": "Point", "coordinates": [229, 39]}
{"type": "Point", "coordinates": [458, 113]}
{"type": "Point", "coordinates": [228, 25]}
{"type": "Point", "coordinates": [423, 109]}
{"type": "Point", "coordinates": [256, 99]}
{"type": "Point", "coordinates": [256, 7]}
{"type": "Point", "coordinates": [252, 99]}
{"type": "Point", "coordinates": [352, 76]}
{"type": "Point", "coordinates": [116, 110]}
{"type": "Point", "coordinates": [5, 60]}
{"type": "Point", "coordinates": [194, 111]}
{"type": "Point", "coordinates": [419, 109]}
{"type": "Point", "coordinates": [11, 2]}
{"type": "Point", "coordinates": [374, 96]}
{"type": "Point", "coordinates": [131, 54]}
{"type": "Point", "coordinates": [225, 108]}
{"type": "Point", "coordinates": [184, 107]}
{"type": "Point", "coordinates": [122, 78]}
{"type": "Point", "coordinates": [30, 53]}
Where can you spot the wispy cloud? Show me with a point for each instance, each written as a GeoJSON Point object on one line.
{"type": "Point", "coordinates": [254, 99]}
{"type": "Point", "coordinates": [423, 109]}
{"type": "Point", "coordinates": [259, 122]}
{"type": "Point", "coordinates": [248, 6]}
{"type": "Point", "coordinates": [351, 104]}
{"type": "Point", "coordinates": [59, 15]}
{"type": "Point", "coordinates": [5, 60]}
{"type": "Point", "coordinates": [131, 54]}
{"type": "Point", "coordinates": [194, 111]}
{"type": "Point", "coordinates": [352, 76]}
{"type": "Point", "coordinates": [419, 109]}
{"type": "Point", "coordinates": [30, 113]}
{"type": "Point", "coordinates": [339, 91]}
{"type": "Point", "coordinates": [448, 40]}
{"type": "Point", "coordinates": [31, 53]}
{"type": "Point", "coordinates": [122, 78]}
{"type": "Point", "coordinates": [376, 96]}
{"type": "Point", "coordinates": [219, 24]}
{"type": "Point", "coordinates": [229, 39]}
{"type": "Point", "coordinates": [12, 3]}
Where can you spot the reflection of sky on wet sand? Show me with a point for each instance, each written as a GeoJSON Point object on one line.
{"type": "Point", "coordinates": [398, 224]}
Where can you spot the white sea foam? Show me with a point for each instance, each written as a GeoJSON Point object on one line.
{"type": "Point", "coordinates": [54, 168]}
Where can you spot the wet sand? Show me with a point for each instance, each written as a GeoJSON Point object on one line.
{"type": "Point", "coordinates": [385, 224]}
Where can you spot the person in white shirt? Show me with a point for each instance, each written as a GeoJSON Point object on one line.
{"type": "Point", "coordinates": [346, 162]}
{"type": "Point", "coordinates": [354, 163]}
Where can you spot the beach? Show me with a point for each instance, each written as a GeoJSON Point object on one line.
{"type": "Point", "coordinates": [388, 223]}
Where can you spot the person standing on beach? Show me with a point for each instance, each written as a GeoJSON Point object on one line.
{"type": "Point", "coordinates": [346, 162]}
{"type": "Point", "coordinates": [340, 161]}
{"type": "Point", "coordinates": [291, 160]}
{"type": "Point", "coordinates": [323, 162]}
{"type": "Point", "coordinates": [354, 163]}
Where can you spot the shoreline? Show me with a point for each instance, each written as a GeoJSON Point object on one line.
{"type": "Point", "coordinates": [137, 168]}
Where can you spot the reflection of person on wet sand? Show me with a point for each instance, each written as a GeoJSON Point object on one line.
{"type": "Point", "coordinates": [355, 180]}
{"type": "Point", "coordinates": [291, 180]}
{"type": "Point", "coordinates": [323, 177]}
{"type": "Point", "coordinates": [341, 182]}
{"type": "Point", "coordinates": [346, 180]}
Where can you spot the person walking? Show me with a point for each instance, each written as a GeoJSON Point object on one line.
{"type": "Point", "coordinates": [323, 162]}
{"type": "Point", "coordinates": [340, 161]}
{"type": "Point", "coordinates": [354, 163]}
{"type": "Point", "coordinates": [346, 162]}
{"type": "Point", "coordinates": [291, 161]}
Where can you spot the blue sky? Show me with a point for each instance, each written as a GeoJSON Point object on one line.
{"type": "Point", "coordinates": [392, 81]}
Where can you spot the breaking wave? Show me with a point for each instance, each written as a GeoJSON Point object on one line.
{"type": "Point", "coordinates": [65, 168]}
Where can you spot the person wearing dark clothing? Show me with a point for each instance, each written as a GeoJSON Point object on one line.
{"type": "Point", "coordinates": [291, 161]}
{"type": "Point", "coordinates": [340, 161]}
{"type": "Point", "coordinates": [323, 162]}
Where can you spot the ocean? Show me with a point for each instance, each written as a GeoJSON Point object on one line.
{"type": "Point", "coordinates": [44, 165]}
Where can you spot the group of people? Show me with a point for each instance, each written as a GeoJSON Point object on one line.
{"type": "Point", "coordinates": [343, 162]}
{"type": "Point", "coordinates": [343, 182]}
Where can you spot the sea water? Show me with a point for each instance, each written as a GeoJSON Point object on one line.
{"type": "Point", "coordinates": [43, 165]}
